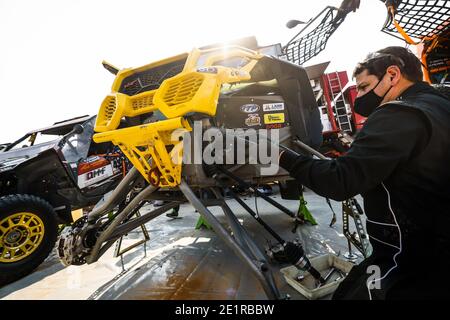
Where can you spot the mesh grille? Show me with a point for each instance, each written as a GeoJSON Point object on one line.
{"type": "Point", "coordinates": [419, 18]}
{"type": "Point", "coordinates": [306, 46]}
{"type": "Point", "coordinates": [150, 79]}
{"type": "Point", "coordinates": [109, 108]}
{"type": "Point", "coordinates": [182, 91]}
{"type": "Point", "coordinates": [143, 102]}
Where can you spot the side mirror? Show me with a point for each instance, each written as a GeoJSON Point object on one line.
{"type": "Point", "coordinates": [108, 66]}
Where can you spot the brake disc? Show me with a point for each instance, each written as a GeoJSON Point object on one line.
{"type": "Point", "coordinates": [71, 250]}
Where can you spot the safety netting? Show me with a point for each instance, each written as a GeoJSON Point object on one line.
{"type": "Point", "coordinates": [313, 38]}
{"type": "Point", "coordinates": [418, 19]}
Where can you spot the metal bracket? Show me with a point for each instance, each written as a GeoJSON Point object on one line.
{"type": "Point", "coordinates": [351, 208]}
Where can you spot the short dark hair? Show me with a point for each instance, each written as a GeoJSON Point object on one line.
{"type": "Point", "coordinates": [377, 62]}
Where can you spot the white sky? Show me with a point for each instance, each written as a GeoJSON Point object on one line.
{"type": "Point", "coordinates": [51, 50]}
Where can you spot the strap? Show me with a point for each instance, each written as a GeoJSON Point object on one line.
{"type": "Point", "coordinates": [399, 28]}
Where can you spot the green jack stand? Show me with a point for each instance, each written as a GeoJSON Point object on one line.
{"type": "Point", "coordinates": [202, 222]}
{"type": "Point", "coordinates": [305, 213]}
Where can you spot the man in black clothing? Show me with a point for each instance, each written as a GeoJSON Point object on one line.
{"type": "Point", "coordinates": [400, 164]}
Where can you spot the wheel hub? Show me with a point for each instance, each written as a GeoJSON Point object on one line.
{"type": "Point", "coordinates": [20, 235]}
{"type": "Point", "coordinates": [13, 236]}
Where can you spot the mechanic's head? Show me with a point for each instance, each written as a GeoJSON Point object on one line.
{"type": "Point", "coordinates": [383, 76]}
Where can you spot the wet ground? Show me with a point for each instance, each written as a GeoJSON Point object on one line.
{"type": "Point", "coordinates": [180, 262]}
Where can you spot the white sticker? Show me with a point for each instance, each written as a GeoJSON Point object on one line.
{"type": "Point", "coordinates": [94, 176]}
{"type": "Point", "coordinates": [273, 106]}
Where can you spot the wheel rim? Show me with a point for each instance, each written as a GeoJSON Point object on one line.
{"type": "Point", "coordinates": [20, 235]}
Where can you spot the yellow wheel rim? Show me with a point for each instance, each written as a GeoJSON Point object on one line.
{"type": "Point", "coordinates": [20, 235]}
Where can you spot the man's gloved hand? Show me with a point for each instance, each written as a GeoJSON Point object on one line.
{"type": "Point", "coordinates": [287, 158]}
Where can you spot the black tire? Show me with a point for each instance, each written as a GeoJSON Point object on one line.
{"type": "Point", "coordinates": [21, 203]}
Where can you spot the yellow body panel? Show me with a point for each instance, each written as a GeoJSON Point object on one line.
{"type": "Point", "coordinates": [207, 58]}
{"type": "Point", "coordinates": [77, 214]}
{"type": "Point", "coordinates": [195, 90]}
{"type": "Point", "coordinates": [117, 105]}
{"type": "Point", "coordinates": [148, 142]}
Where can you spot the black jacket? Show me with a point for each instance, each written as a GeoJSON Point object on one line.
{"type": "Point", "coordinates": [400, 164]}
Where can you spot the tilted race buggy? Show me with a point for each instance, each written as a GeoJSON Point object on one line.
{"type": "Point", "coordinates": [167, 105]}
{"type": "Point", "coordinates": [43, 177]}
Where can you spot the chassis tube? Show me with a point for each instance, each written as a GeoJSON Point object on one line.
{"type": "Point", "coordinates": [271, 292]}
{"type": "Point", "coordinates": [135, 223]}
{"type": "Point", "coordinates": [117, 195]}
{"type": "Point", "coordinates": [94, 255]}
{"type": "Point", "coordinates": [255, 190]}
{"type": "Point", "coordinates": [304, 146]}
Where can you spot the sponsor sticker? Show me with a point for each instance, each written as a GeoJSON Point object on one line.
{"type": "Point", "coordinates": [274, 118]}
{"type": "Point", "coordinates": [253, 120]}
{"type": "Point", "coordinates": [250, 108]}
{"type": "Point", "coordinates": [94, 176]}
{"type": "Point", "coordinates": [274, 126]}
{"type": "Point", "coordinates": [273, 106]}
{"type": "Point", "coordinates": [92, 159]}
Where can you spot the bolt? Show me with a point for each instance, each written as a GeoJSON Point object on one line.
{"type": "Point", "coordinates": [300, 278]}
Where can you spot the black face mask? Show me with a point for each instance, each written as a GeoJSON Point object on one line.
{"type": "Point", "coordinates": [367, 103]}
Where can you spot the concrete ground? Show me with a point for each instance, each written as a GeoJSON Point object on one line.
{"type": "Point", "coordinates": [180, 262]}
